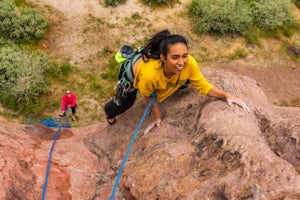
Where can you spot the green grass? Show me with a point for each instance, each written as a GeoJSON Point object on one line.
{"type": "Point", "coordinates": [238, 54]}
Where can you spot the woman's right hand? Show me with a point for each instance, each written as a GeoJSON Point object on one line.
{"type": "Point", "coordinates": [155, 122]}
{"type": "Point", "coordinates": [239, 102]}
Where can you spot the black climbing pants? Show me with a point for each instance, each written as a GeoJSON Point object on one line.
{"type": "Point", "coordinates": [112, 110]}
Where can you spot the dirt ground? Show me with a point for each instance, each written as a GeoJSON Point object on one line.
{"type": "Point", "coordinates": [81, 29]}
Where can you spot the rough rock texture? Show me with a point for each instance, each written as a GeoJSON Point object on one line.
{"type": "Point", "coordinates": [204, 149]}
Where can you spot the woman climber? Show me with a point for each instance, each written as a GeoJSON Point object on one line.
{"type": "Point", "coordinates": [163, 66]}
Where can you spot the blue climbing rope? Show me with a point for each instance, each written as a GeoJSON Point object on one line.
{"type": "Point", "coordinates": [52, 122]}
{"type": "Point", "coordinates": [49, 162]}
{"type": "Point", "coordinates": [151, 103]}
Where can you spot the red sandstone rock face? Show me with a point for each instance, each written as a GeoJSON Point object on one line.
{"type": "Point", "coordinates": [204, 149]}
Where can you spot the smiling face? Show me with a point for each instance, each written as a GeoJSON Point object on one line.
{"type": "Point", "coordinates": [175, 60]}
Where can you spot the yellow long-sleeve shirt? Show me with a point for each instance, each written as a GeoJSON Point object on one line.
{"type": "Point", "coordinates": [150, 78]}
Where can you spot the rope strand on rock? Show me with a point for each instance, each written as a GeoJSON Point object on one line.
{"type": "Point", "coordinates": [63, 124]}
{"type": "Point", "coordinates": [150, 105]}
{"type": "Point", "coordinates": [49, 163]}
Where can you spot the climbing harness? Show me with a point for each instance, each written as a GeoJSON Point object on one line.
{"type": "Point", "coordinates": [121, 89]}
{"type": "Point", "coordinates": [150, 106]}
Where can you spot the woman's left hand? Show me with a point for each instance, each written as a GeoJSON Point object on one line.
{"type": "Point", "coordinates": [239, 102]}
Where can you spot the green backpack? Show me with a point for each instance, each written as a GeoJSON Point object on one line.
{"type": "Point", "coordinates": [126, 57]}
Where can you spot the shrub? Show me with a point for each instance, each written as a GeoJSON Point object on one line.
{"type": "Point", "coordinates": [22, 77]}
{"type": "Point", "coordinates": [114, 3]}
{"type": "Point", "coordinates": [66, 68]}
{"type": "Point", "coordinates": [238, 53]}
{"type": "Point", "coordinates": [297, 3]}
{"type": "Point", "coordinates": [252, 37]}
{"type": "Point", "coordinates": [160, 2]}
{"type": "Point", "coordinates": [2, 41]}
{"type": "Point", "coordinates": [21, 24]}
{"type": "Point", "coordinates": [272, 14]}
{"type": "Point", "coordinates": [220, 16]}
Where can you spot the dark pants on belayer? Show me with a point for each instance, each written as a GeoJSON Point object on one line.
{"type": "Point", "coordinates": [73, 110]}
{"type": "Point", "coordinates": [112, 110]}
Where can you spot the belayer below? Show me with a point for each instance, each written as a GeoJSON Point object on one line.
{"type": "Point", "coordinates": [68, 100]}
